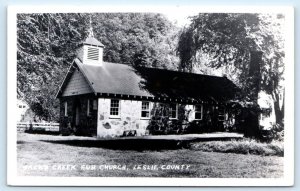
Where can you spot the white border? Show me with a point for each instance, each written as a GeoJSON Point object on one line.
{"type": "Point", "coordinates": [13, 179]}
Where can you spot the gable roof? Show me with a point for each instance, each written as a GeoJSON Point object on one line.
{"type": "Point", "coordinates": [112, 78]}
{"type": "Point", "coordinates": [92, 41]}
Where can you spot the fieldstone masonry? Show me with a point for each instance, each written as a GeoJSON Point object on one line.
{"type": "Point", "coordinates": [130, 119]}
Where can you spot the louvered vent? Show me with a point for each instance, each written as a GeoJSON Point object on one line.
{"type": "Point", "coordinates": [93, 53]}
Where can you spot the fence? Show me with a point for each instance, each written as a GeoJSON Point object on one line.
{"type": "Point", "coordinates": [51, 127]}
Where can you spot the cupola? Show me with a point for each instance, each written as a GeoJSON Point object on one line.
{"type": "Point", "coordinates": [92, 49]}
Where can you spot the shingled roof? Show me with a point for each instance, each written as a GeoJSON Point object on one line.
{"type": "Point", "coordinates": [93, 42]}
{"type": "Point", "coordinates": [112, 78]}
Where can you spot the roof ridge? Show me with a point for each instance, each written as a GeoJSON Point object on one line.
{"type": "Point", "coordinates": [164, 69]}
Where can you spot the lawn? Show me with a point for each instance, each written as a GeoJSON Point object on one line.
{"type": "Point", "coordinates": [48, 155]}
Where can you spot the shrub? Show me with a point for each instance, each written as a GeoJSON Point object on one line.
{"type": "Point", "coordinates": [241, 147]}
{"type": "Point", "coordinates": [276, 133]}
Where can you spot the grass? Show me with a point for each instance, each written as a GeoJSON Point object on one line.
{"type": "Point", "coordinates": [37, 150]}
{"type": "Point", "coordinates": [245, 146]}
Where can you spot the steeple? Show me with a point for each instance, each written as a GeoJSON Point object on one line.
{"type": "Point", "coordinates": [91, 33]}
{"type": "Point", "coordinates": [92, 48]}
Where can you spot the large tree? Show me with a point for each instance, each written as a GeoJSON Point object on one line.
{"type": "Point", "coordinates": [47, 45]}
{"type": "Point", "coordinates": [227, 40]}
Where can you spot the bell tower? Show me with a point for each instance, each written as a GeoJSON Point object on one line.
{"type": "Point", "coordinates": [92, 49]}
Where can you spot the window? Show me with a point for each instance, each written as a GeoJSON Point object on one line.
{"type": "Point", "coordinates": [145, 109]}
{"type": "Point", "coordinates": [91, 105]}
{"type": "Point", "coordinates": [221, 114]}
{"type": "Point", "coordinates": [198, 112]}
{"type": "Point", "coordinates": [93, 53]}
{"type": "Point", "coordinates": [173, 111]}
{"type": "Point", "coordinates": [115, 108]}
{"type": "Point", "coordinates": [66, 108]}
{"type": "Point", "coordinates": [95, 104]}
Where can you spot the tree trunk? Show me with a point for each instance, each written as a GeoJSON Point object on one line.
{"type": "Point", "coordinates": [254, 77]}
{"type": "Point", "coordinates": [279, 111]}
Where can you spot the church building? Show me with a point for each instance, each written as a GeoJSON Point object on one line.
{"type": "Point", "coordinates": [104, 99]}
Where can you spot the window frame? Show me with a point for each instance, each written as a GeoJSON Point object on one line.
{"type": "Point", "coordinates": [147, 110]}
{"type": "Point", "coordinates": [88, 109]}
{"type": "Point", "coordinates": [223, 114]}
{"type": "Point", "coordinates": [119, 109]}
{"type": "Point", "coordinates": [65, 108]}
{"type": "Point", "coordinates": [176, 110]}
{"type": "Point", "coordinates": [95, 104]}
{"type": "Point", "coordinates": [195, 111]}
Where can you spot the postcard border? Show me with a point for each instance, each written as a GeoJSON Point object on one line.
{"type": "Point", "coordinates": [13, 179]}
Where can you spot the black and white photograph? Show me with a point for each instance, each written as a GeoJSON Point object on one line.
{"type": "Point", "coordinates": [182, 98]}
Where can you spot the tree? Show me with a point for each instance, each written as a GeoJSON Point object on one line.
{"type": "Point", "coordinates": [47, 45]}
{"type": "Point", "coordinates": [45, 50]}
{"type": "Point", "coordinates": [227, 40]}
{"type": "Point", "coordinates": [137, 38]}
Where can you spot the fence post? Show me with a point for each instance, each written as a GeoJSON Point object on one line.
{"type": "Point", "coordinates": [30, 126]}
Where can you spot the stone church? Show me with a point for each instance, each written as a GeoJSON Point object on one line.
{"type": "Point", "coordinates": [104, 99]}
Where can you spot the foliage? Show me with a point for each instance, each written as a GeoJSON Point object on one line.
{"type": "Point", "coordinates": [136, 38]}
{"type": "Point", "coordinates": [160, 122]}
{"type": "Point", "coordinates": [225, 41]}
{"type": "Point", "coordinates": [47, 45]}
{"type": "Point", "coordinates": [241, 147]}
{"type": "Point", "coordinates": [276, 133]}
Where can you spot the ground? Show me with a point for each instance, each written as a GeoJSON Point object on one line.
{"type": "Point", "coordinates": [49, 155]}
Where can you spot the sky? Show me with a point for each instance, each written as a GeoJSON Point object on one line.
{"type": "Point", "coordinates": [180, 18]}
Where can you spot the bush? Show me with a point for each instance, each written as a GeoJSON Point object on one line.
{"type": "Point", "coordinates": [276, 133]}
{"type": "Point", "coordinates": [241, 147]}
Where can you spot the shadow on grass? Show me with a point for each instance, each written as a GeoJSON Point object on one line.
{"type": "Point", "coordinates": [127, 144]}
{"type": "Point", "coordinates": [42, 131]}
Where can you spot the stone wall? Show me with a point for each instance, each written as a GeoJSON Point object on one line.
{"type": "Point", "coordinates": [130, 119]}
{"type": "Point", "coordinates": [101, 124]}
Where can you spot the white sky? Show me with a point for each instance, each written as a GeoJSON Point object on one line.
{"type": "Point", "coordinates": [181, 17]}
